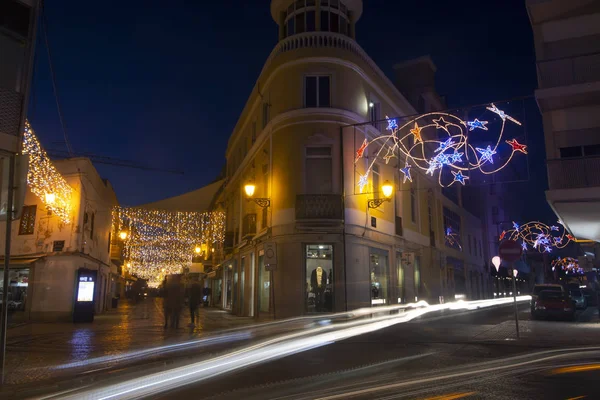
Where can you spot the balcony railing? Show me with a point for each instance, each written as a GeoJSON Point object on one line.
{"type": "Point", "coordinates": [319, 206]}
{"type": "Point", "coordinates": [572, 173]}
{"type": "Point", "coordinates": [569, 70]}
{"type": "Point", "coordinates": [10, 112]}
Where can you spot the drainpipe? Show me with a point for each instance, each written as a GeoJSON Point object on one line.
{"type": "Point", "coordinates": [343, 183]}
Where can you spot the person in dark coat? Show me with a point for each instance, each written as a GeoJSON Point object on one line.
{"type": "Point", "coordinates": [195, 299]}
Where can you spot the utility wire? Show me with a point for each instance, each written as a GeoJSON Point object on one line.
{"type": "Point", "coordinates": [53, 78]}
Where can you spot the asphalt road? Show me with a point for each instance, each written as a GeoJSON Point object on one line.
{"type": "Point", "coordinates": [391, 363]}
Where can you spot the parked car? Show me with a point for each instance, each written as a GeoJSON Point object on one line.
{"type": "Point", "coordinates": [591, 296]}
{"type": "Point", "coordinates": [579, 298]}
{"type": "Point", "coordinates": [553, 304]}
{"type": "Point", "coordinates": [537, 289]}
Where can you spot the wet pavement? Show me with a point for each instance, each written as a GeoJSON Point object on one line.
{"type": "Point", "coordinates": [34, 348]}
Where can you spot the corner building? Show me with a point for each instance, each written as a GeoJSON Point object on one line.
{"type": "Point", "coordinates": [295, 140]}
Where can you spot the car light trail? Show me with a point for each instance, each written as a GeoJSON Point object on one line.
{"type": "Point", "coordinates": [278, 347]}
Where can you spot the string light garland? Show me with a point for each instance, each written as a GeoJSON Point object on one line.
{"type": "Point", "coordinates": [437, 141]}
{"type": "Point", "coordinates": [539, 236]}
{"type": "Point", "coordinates": [159, 242]}
{"type": "Point", "coordinates": [44, 180]}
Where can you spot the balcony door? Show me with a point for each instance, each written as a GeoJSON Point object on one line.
{"type": "Point", "coordinates": [318, 170]}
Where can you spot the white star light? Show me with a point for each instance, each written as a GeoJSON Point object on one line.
{"type": "Point", "coordinates": [363, 181]}
{"type": "Point", "coordinates": [486, 154]}
{"type": "Point", "coordinates": [502, 114]}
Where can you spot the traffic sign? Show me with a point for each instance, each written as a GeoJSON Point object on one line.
{"type": "Point", "coordinates": [510, 251]}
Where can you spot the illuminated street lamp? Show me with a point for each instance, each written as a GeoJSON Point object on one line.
{"type": "Point", "coordinates": [250, 188]}
{"type": "Point", "coordinates": [497, 261]}
{"type": "Point", "coordinates": [123, 235]}
{"type": "Point", "coordinates": [198, 250]}
{"type": "Point", "coordinates": [388, 189]}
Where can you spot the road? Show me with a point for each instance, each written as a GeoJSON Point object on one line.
{"type": "Point", "coordinates": [306, 358]}
{"type": "Point", "coordinates": [437, 347]}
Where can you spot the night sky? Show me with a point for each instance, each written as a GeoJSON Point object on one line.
{"type": "Point", "coordinates": [163, 83]}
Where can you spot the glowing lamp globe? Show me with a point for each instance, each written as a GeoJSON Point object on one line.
{"type": "Point", "coordinates": [50, 198]}
{"type": "Point", "coordinates": [249, 189]}
{"type": "Point", "coordinates": [515, 273]}
{"type": "Point", "coordinates": [123, 235]}
{"type": "Point", "coordinates": [387, 189]}
{"type": "Point", "coordinates": [496, 261]}
{"type": "Point", "coordinates": [198, 250]}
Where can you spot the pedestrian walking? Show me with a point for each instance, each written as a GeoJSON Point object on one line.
{"type": "Point", "coordinates": [195, 299]}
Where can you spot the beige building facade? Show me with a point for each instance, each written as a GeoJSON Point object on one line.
{"type": "Point", "coordinates": [307, 242]}
{"type": "Point", "coordinates": [567, 45]}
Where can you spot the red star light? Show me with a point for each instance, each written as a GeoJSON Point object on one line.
{"type": "Point", "coordinates": [361, 150]}
{"type": "Point", "coordinates": [516, 146]}
{"type": "Point", "coordinates": [502, 235]}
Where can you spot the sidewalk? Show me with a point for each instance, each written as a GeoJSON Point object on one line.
{"type": "Point", "coordinates": [34, 347]}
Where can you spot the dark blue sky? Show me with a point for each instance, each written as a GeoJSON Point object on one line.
{"type": "Point", "coordinates": [163, 83]}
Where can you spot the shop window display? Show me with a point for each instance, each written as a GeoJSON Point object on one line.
{"type": "Point", "coordinates": [379, 279]}
{"type": "Point", "coordinates": [319, 278]}
{"type": "Point", "coordinates": [17, 288]}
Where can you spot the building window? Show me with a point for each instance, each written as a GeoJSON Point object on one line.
{"type": "Point", "coordinates": [334, 17]}
{"type": "Point", "coordinates": [319, 278]}
{"type": "Point", "coordinates": [375, 181]}
{"type": "Point", "coordinates": [318, 174]}
{"type": "Point", "coordinates": [300, 17]}
{"type": "Point", "coordinates": [570, 152]}
{"type": "Point", "coordinates": [317, 91]}
{"type": "Point", "coordinates": [591, 150]}
{"type": "Point", "coordinates": [374, 113]}
{"type": "Point", "coordinates": [413, 203]}
{"type": "Point", "coordinates": [378, 263]}
{"type": "Point", "coordinates": [27, 225]}
{"type": "Point", "coordinates": [265, 115]}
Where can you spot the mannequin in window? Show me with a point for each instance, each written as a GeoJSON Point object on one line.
{"type": "Point", "coordinates": [318, 282]}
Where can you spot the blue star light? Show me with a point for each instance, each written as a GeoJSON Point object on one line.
{"type": "Point", "coordinates": [363, 181]}
{"type": "Point", "coordinates": [554, 228]}
{"type": "Point", "coordinates": [516, 226]}
{"type": "Point", "coordinates": [548, 249]}
{"type": "Point", "coordinates": [458, 176]}
{"type": "Point", "coordinates": [442, 159]}
{"type": "Point", "coordinates": [445, 145]}
{"type": "Point", "coordinates": [524, 246]}
{"type": "Point", "coordinates": [557, 240]}
{"type": "Point", "coordinates": [392, 124]}
{"type": "Point", "coordinates": [457, 157]}
{"type": "Point", "coordinates": [448, 231]}
{"type": "Point", "coordinates": [477, 124]}
{"type": "Point", "coordinates": [406, 172]}
{"type": "Point", "coordinates": [486, 154]}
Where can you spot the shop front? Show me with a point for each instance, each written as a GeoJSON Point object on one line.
{"type": "Point", "coordinates": [379, 276]}
{"type": "Point", "coordinates": [319, 278]}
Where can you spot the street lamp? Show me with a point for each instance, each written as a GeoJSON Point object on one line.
{"type": "Point", "coordinates": [250, 188]}
{"type": "Point", "coordinates": [123, 235]}
{"type": "Point", "coordinates": [387, 188]}
{"type": "Point", "coordinates": [497, 261]}
{"type": "Point", "coordinates": [197, 249]}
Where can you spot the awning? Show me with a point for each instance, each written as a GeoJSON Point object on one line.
{"type": "Point", "coordinates": [19, 261]}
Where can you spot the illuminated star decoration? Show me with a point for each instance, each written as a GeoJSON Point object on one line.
{"type": "Point", "coordinates": [363, 181]}
{"type": "Point", "coordinates": [538, 235]}
{"type": "Point", "coordinates": [392, 124]}
{"type": "Point", "coordinates": [361, 150]}
{"type": "Point", "coordinates": [406, 172]}
{"type": "Point", "coordinates": [477, 124]}
{"type": "Point", "coordinates": [502, 235]}
{"type": "Point", "coordinates": [419, 142]}
{"type": "Point", "coordinates": [440, 123]}
{"type": "Point", "coordinates": [568, 264]}
{"type": "Point", "coordinates": [416, 131]}
{"type": "Point", "coordinates": [516, 146]}
{"type": "Point", "coordinates": [502, 114]}
{"type": "Point", "coordinates": [486, 154]}
{"type": "Point", "coordinates": [444, 145]}
{"type": "Point", "coordinates": [452, 239]}
{"type": "Point", "coordinates": [459, 177]}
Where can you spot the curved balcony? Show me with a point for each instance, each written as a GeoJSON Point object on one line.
{"type": "Point", "coordinates": [322, 40]}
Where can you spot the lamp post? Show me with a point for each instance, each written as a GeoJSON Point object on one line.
{"type": "Point", "coordinates": [497, 261]}
{"type": "Point", "coordinates": [514, 279]}
{"type": "Point", "coordinates": [388, 189]}
{"type": "Point", "coordinates": [250, 188]}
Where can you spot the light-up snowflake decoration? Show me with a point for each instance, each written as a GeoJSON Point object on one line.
{"type": "Point", "coordinates": [435, 142]}
{"type": "Point", "coordinates": [538, 235]}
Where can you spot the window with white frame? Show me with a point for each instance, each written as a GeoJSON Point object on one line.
{"type": "Point", "coordinates": [318, 174]}
{"type": "Point", "coordinates": [317, 91]}
{"type": "Point", "coordinates": [375, 181]}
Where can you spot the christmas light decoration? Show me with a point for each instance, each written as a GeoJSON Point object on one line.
{"type": "Point", "coordinates": [406, 172]}
{"type": "Point", "coordinates": [437, 142]}
{"type": "Point", "coordinates": [568, 264]}
{"type": "Point", "coordinates": [477, 124]}
{"type": "Point", "coordinates": [452, 239]}
{"type": "Point", "coordinates": [44, 180]}
{"type": "Point", "coordinates": [538, 236]}
{"type": "Point", "coordinates": [163, 242]}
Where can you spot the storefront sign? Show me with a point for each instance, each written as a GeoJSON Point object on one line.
{"type": "Point", "coordinates": [270, 256]}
